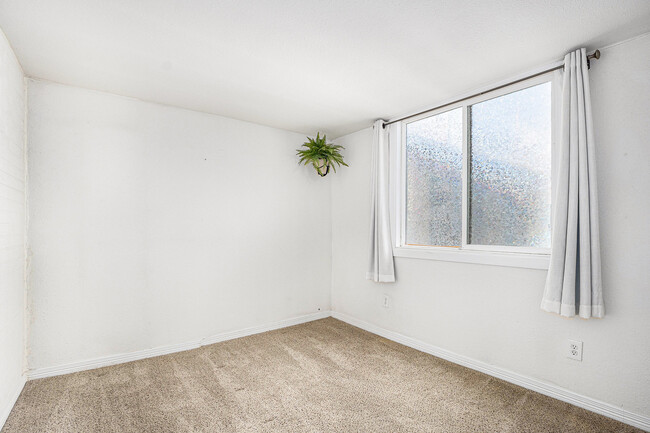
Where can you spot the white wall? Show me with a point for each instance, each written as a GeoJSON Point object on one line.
{"type": "Point", "coordinates": [12, 226]}
{"type": "Point", "coordinates": [492, 313]}
{"type": "Point", "coordinates": [152, 225]}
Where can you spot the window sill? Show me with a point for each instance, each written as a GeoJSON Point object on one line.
{"type": "Point", "coordinates": [493, 258]}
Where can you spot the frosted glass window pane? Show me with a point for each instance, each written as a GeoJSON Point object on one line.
{"type": "Point", "coordinates": [434, 160]}
{"type": "Point", "coordinates": [510, 169]}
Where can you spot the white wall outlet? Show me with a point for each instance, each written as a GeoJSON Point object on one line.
{"type": "Point", "coordinates": [574, 350]}
{"type": "Point", "coordinates": [385, 301]}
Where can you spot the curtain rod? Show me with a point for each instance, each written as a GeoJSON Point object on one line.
{"type": "Point", "coordinates": [594, 55]}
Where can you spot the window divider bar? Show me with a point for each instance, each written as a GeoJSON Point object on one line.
{"type": "Point", "coordinates": [465, 178]}
{"type": "Point", "coordinates": [402, 186]}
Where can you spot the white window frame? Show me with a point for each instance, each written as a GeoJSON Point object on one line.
{"type": "Point", "coordinates": [523, 257]}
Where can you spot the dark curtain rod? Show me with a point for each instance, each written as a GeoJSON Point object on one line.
{"type": "Point", "coordinates": [595, 55]}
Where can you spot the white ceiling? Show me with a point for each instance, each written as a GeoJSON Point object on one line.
{"type": "Point", "coordinates": [304, 65]}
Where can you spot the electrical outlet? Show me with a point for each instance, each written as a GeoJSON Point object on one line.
{"type": "Point", "coordinates": [385, 301]}
{"type": "Point", "coordinates": [575, 350]}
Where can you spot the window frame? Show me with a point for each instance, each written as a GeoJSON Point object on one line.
{"type": "Point", "coordinates": [525, 257]}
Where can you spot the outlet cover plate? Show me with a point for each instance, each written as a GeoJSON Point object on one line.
{"type": "Point", "coordinates": [574, 350]}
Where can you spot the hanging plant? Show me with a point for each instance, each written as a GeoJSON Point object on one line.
{"type": "Point", "coordinates": [321, 155]}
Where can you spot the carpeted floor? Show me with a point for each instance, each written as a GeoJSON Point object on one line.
{"type": "Point", "coordinates": [322, 376]}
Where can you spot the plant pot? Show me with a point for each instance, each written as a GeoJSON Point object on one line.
{"type": "Point", "coordinates": [323, 167]}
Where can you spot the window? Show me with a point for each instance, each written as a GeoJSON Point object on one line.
{"type": "Point", "coordinates": [476, 178]}
{"type": "Point", "coordinates": [434, 167]}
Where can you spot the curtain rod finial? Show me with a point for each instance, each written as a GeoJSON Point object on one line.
{"type": "Point", "coordinates": [595, 55]}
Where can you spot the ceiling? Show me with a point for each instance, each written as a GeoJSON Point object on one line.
{"type": "Point", "coordinates": [304, 65]}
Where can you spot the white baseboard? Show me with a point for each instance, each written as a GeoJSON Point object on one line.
{"type": "Point", "coordinates": [554, 391]}
{"type": "Point", "coordinates": [264, 328]}
{"type": "Point", "coordinates": [105, 361]}
{"type": "Point", "coordinates": [5, 411]}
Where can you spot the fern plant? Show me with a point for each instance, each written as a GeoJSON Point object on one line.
{"type": "Point", "coordinates": [321, 155]}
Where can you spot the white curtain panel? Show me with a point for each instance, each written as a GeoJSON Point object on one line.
{"type": "Point", "coordinates": [380, 268]}
{"type": "Point", "coordinates": [574, 280]}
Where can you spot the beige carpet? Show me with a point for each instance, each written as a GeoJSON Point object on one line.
{"type": "Point", "coordinates": [323, 376]}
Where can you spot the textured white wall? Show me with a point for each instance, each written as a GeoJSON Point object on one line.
{"type": "Point", "coordinates": [12, 224]}
{"type": "Point", "coordinates": [492, 313]}
{"type": "Point", "coordinates": [152, 225]}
